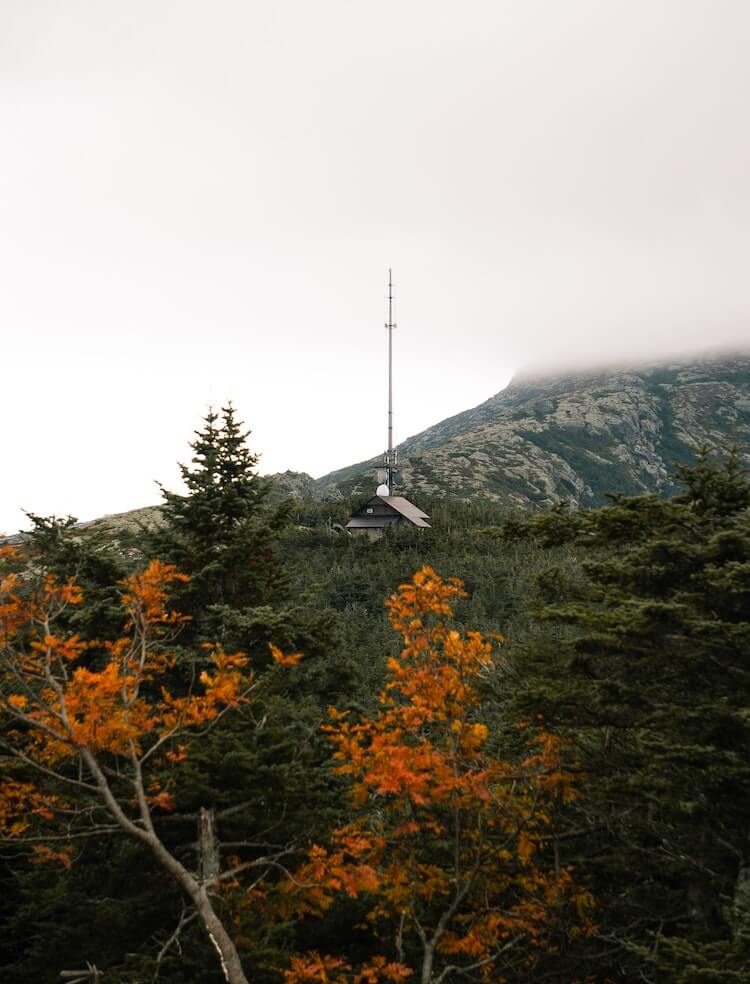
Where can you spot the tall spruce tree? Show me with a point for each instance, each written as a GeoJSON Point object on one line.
{"type": "Point", "coordinates": [224, 534]}
{"type": "Point", "coordinates": [260, 781]}
{"type": "Point", "coordinates": [645, 661]}
{"type": "Point", "coordinates": [262, 778]}
{"type": "Point", "coordinates": [221, 531]}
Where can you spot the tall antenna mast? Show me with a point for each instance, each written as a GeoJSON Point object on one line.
{"type": "Point", "coordinates": [390, 455]}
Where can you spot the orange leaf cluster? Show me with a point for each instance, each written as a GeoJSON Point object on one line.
{"type": "Point", "coordinates": [20, 803]}
{"type": "Point", "coordinates": [289, 660]}
{"type": "Point", "coordinates": [312, 968]}
{"type": "Point", "coordinates": [67, 697]}
{"type": "Point", "coordinates": [46, 855]}
{"type": "Point", "coordinates": [146, 595]}
{"type": "Point", "coordinates": [442, 824]}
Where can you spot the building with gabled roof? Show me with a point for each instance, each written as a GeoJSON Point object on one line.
{"type": "Point", "coordinates": [386, 510]}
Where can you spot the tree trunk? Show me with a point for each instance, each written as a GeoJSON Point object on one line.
{"type": "Point", "coordinates": [228, 955]}
{"type": "Point", "coordinates": [195, 889]}
{"type": "Point", "coordinates": [427, 959]}
{"type": "Point", "coordinates": [209, 861]}
{"type": "Point", "coordinates": [222, 941]}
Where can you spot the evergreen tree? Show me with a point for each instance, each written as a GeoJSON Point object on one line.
{"type": "Point", "coordinates": [221, 532]}
{"type": "Point", "coordinates": [31, 898]}
{"type": "Point", "coordinates": [647, 665]}
{"type": "Point", "coordinates": [263, 776]}
{"type": "Point", "coordinates": [61, 546]}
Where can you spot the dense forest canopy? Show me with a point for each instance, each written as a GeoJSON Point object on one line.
{"type": "Point", "coordinates": [530, 764]}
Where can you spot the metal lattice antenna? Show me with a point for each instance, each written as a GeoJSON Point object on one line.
{"type": "Point", "coordinates": [390, 455]}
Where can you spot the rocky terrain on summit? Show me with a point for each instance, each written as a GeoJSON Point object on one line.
{"type": "Point", "coordinates": [574, 436]}
{"type": "Point", "coordinates": [545, 439]}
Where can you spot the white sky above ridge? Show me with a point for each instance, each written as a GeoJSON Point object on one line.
{"type": "Point", "coordinates": [200, 202]}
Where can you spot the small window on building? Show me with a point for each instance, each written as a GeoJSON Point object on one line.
{"type": "Point", "coordinates": [369, 510]}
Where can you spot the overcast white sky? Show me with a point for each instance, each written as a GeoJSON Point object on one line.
{"type": "Point", "coordinates": [200, 201]}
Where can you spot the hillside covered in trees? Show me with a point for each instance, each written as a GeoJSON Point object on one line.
{"type": "Point", "coordinates": [238, 745]}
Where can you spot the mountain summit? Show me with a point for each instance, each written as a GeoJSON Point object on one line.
{"type": "Point", "coordinates": [575, 436]}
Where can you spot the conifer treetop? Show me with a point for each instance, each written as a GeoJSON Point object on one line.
{"type": "Point", "coordinates": [223, 484]}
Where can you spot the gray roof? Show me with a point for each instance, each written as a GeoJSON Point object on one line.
{"type": "Point", "coordinates": [407, 509]}
{"type": "Point", "coordinates": [401, 508]}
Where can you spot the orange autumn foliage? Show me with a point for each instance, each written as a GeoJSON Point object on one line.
{"type": "Point", "coordinates": [284, 660]}
{"type": "Point", "coordinates": [64, 702]}
{"type": "Point", "coordinates": [448, 840]}
{"type": "Point", "coordinates": [109, 722]}
{"type": "Point", "coordinates": [317, 969]}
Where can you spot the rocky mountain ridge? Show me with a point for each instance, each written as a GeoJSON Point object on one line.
{"type": "Point", "coordinates": [574, 436]}
{"type": "Point", "coordinates": [543, 439]}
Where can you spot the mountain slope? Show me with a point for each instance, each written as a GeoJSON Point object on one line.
{"type": "Point", "coordinates": [575, 436]}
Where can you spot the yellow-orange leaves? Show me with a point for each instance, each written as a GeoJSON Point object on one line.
{"type": "Point", "coordinates": [74, 702]}
{"type": "Point", "coordinates": [45, 855]}
{"type": "Point", "coordinates": [97, 713]}
{"type": "Point", "coordinates": [313, 968]}
{"type": "Point", "coordinates": [145, 595]}
{"type": "Point", "coordinates": [447, 836]}
{"type": "Point", "coordinates": [289, 660]}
